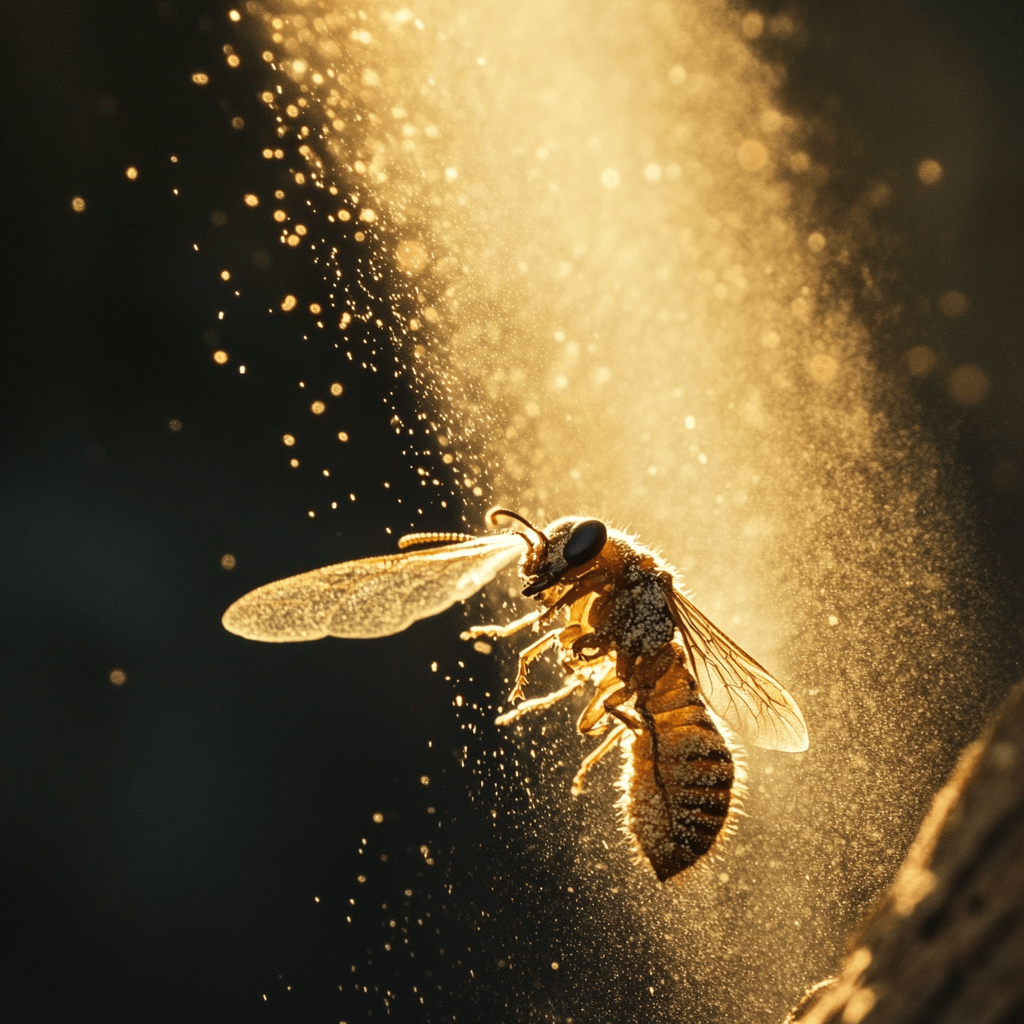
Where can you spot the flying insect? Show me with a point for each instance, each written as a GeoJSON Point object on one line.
{"type": "Point", "coordinates": [664, 677]}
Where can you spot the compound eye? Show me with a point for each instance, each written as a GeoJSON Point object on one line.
{"type": "Point", "coordinates": [585, 542]}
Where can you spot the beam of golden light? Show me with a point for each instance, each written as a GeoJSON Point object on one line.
{"type": "Point", "coordinates": [588, 222]}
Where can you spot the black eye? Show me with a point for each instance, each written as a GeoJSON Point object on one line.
{"type": "Point", "coordinates": [585, 541]}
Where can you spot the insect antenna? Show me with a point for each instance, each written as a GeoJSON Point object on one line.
{"type": "Point", "coordinates": [411, 539]}
{"type": "Point", "coordinates": [493, 515]}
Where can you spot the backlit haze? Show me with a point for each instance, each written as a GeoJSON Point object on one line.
{"type": "Point", "coordinates": [582, 237]}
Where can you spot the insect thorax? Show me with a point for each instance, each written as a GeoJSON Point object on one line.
{"type": "Point", "coordinates": [639, 620]}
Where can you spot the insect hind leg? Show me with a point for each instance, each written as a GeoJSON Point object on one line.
{"type": "Point", "coordinates": [613, 738]}
{"type": "Point", "coordinates": [601, 703]}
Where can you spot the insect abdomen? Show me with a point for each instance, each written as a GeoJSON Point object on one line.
{"type": "Point", "coordinates": [680, 786]}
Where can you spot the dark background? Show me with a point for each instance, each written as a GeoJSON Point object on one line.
{"type": "Point", "coordinates": [164, 840]}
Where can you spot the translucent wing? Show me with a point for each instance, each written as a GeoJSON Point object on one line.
{"type": "Point", "coordinates": [735, 686]}
{"type": "Point", "coordinates": [372, 596]}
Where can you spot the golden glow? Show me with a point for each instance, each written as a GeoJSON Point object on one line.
{"type": "Point", "coordinates": [752, 155]}
{"type": "Point", "coordinates": [228, 562]}
{"type": "Point", "coordinates": [968, 385]}
{"type": "Point", "coordinates": [175, 426]}
{"type": "Point", "coordinates": [879, 194]}
{"type": "Point", "coordinates": [752, 25]}
{"type": "Point", "coordinates": [317, 408]}
{"type": "Point", "coordinates": [131, 173]}
{"type": "Point", "coordinates": [200, 79]}
{"type": "Point", "coordinates": [953, 304]}
{"type": "Point", "coordinates": [234, 16]}
{"type": "Point", "coordinates": [289, 440]}
{"type": "Point", "coordinates": [799, 163]}
{"type": "Point", "coordinates": [342, 436]}
{"type": "Point", "coordinates": [336, 390]}
{"type": "Point", "coordinates": [118, 677]}
{"type": "Point", "coordinates": [78, 204]}
{"type": "Point", "coordinates": [288, 303]}
{"type": "Point", "coordinates": [220, 357]}
{"type": "Point", "coordinates": [411, 256]}
{"type": "Point", "coordinates": [823, 368]}
{"type": "Point", "coordinates": [225, 275]}
{"type": "Point", "coordinates": [921, 360]}
{"type": "Point", "coordinates": [860, 1004]}
{"type": "Point", "coordinates": [251, 200]}
{"type": "Point", "coordinates": [929, 172]}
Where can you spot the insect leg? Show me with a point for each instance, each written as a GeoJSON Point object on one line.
{"type": "Point", "coordinates": [586, 584]}
{"type": "Point", "coordinates": [595, 755]}
{"type": "Point", "coordinates": [496, 631]}
{"type": "Point", "coordinates": [611, 705]}
{"type": "Point", "coordinates": [596, 709]}
{"type": "Point", "coordinates": [526, 655]}
{"type": "Point", "coordinates": [538, 702]}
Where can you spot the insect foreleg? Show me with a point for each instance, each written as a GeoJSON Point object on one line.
{"type": "Point", "coordinates": [538, 703]}
{"type": "Point", "coordinates": [595, 755]}
{"type": "Point", "coordinates": [586, 584]}
{"type": "Point", "coordinates": [526, 655]}
{"type": "Point", "coordinates": [496, 631]}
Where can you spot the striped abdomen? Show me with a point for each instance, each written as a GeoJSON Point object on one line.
{"type": "Point", "coordinates": [679, 787]}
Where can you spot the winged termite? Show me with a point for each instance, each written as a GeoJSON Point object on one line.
{"type": "Point", "coordinates": [661, 671]}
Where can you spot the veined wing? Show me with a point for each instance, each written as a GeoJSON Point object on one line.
{"type": "Point", "coordinates": [735, 686]}
{"type": "Point", "coordinates": [372, 596]}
